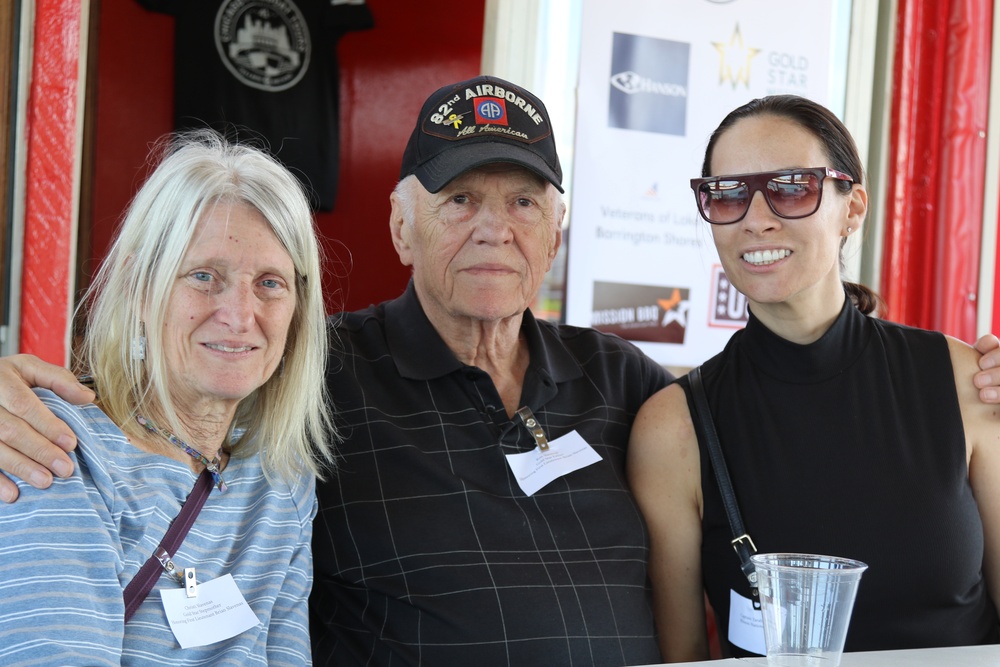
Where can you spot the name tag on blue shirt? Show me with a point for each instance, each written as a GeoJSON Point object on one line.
{"type": "Point", "coordinates": [219, 612]}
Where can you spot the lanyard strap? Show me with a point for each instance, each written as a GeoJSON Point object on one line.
{"type": "Point", "coordinates": [741, 541]}
{"type": "Point", "coordinates": [137, 590]}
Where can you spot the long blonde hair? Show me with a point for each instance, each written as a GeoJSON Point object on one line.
{"type": "Point", "coordinates": [287, 420]}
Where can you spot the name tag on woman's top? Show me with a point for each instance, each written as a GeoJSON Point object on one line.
{"type": "Point", "coordinates": [219, 612]}
{"type": "Point", "coordinates": [746, 625]}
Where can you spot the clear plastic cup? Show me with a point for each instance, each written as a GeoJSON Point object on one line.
{"type": "Point", "coordinates": [806, 601]}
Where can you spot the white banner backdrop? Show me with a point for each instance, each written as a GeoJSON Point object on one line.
{"type": "Point", "coordinates": [656, 78]}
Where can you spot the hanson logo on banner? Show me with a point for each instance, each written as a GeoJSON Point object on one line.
{"type": "Point", "coordinates": [641, 312]}
{"type": "Point", "coordinates": [649, 84]}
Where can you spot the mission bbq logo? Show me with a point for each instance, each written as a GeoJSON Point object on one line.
{"type": "Point", "coordinates": [641, 312]}
{"type": "Point", "coordinates": [265, 44]}
{"type": "Point", "coordinates": [487, 109]}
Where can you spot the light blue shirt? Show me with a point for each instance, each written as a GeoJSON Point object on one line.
{"type": "Point", "coordinates": [67, 553]}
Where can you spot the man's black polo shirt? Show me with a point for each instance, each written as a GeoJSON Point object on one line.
{"type": "Point", "coordinates": [428, 553]}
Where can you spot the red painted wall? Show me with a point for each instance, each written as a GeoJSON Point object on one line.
{"type": "Point", "coordinates": [386, 73]}
{"type": "Point", "coordinates": [937, 143]}
{"type": "Point", "coordinates": [48, 208]}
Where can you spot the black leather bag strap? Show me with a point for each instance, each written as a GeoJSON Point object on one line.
{"type": "Point", "coordinates": [137, 590]}
{"type": "Point", "coordinates": [707, 435]}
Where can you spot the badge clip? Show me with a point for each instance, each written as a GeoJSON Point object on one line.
{"type": "Point", "coordinates": [190, 582]}
{"type": "Point", "coordinates": [534, 428]}
{"type": "Point", "coordinates": [185, 577]}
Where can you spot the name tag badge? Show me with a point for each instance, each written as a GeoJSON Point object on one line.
{"type": "Point", "coordinates": [536, 468]}
{"type": "Point", "coordinates": [219, 612]}
{"type": "Point", "coordinates": [746, 625]}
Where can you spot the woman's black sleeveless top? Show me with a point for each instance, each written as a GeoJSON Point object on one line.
{"type": "Point", "coordinates": [851, 446]}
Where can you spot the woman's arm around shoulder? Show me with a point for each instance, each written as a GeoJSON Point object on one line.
{"type": "Point", "coordinates": [664, 472]}
{"type": "Point", "coordinates": [982, 442]}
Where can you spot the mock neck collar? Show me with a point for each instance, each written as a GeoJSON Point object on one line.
{"type": "Point", "coordinates": [820, 360]}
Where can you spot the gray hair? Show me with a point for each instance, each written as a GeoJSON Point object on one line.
{"type": "Point", "coordinates": [406, 192]}
{"type": "Point", "coordinates": [287, 420]}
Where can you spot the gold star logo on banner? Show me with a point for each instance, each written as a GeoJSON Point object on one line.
{"type": "Point", "coordinates": [734, 59]}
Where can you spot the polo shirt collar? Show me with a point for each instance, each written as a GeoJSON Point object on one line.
{"type": "Point", "coordinates": [414, 343]}
{"type": "Point", "coordinates": [420, 353]}
{"type": "Point", "coordinates": [548, 353]}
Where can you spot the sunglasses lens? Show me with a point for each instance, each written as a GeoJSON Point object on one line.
{"type": "Point", "coordinates": [791, 194]}
{"type": "Point", "coordinates": [723, 201]}
{"type": "Point", "coordinates": [794, 195]}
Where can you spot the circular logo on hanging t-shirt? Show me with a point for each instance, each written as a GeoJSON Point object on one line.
{"type": "Point", "coordinates": [264, 43]}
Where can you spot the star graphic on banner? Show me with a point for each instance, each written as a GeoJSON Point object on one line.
{"type": "Point", "coordinates": [667, 304]}
{"type": "Point", "coordinates": [675, 309]}
{"type": "Point", "coordinates": [734, 59]}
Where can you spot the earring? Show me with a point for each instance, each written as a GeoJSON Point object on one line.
{"type": "Point", "coordinates": [139, 343]}
{"type": "Point", "coordinates": [281, 367]}
{"type": "Point", "coordinates": [849, 230]}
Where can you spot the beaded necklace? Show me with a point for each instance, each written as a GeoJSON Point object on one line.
{"type": "Point", "coordinates": [212, 466]}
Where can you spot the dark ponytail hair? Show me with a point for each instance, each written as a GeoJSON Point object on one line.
{"type": "Point", "coordinates": [839, 146]}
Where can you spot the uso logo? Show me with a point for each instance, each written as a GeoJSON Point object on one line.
{"type": "Point", "coordinates": [728, 306]}
{"type": "Point", "coordinates": [490, 110]}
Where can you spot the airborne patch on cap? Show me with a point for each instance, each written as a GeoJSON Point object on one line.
{"type": "Point", "coordinates": [490, 110]}
{"type": "Point", "coordinates": [470, 113]}
{"type": "Point", "coordinates": [477, 122]}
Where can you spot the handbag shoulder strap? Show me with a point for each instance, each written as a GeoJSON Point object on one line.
{"type": "Point", "coordinates": [705, 426]}
{"type": "Point", "coordinates": [137, 590]}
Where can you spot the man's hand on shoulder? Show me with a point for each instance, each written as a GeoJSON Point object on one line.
{"type": "Point", "coordinates": [988, 378]}
{"type": "Point", "coordinates": [33, 441]}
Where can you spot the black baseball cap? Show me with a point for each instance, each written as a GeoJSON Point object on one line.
{"type": "Point", "coordinates": [477, 122]}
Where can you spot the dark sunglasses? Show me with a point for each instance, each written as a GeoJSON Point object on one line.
{"type": "Point", "coordinates": [791, 193]}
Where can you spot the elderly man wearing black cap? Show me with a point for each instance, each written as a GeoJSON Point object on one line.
{"type": "Point", "coordinates": [480, 514]}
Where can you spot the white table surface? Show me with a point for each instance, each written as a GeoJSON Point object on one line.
{"type": "Point", "coordinates": [963, 656]}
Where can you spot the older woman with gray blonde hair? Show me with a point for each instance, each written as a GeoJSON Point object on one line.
{"type": "Point", "coordinates": [206, 344]}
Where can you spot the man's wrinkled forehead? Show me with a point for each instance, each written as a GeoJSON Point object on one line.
{"type": "Point", "coordinates": [514, 173]}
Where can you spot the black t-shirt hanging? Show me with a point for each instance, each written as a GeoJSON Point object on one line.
{"type": "Point", "coordinates": [266, 69]}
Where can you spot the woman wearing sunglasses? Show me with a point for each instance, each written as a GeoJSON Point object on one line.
{"type": "Point", "coordinates": [844, 434]}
